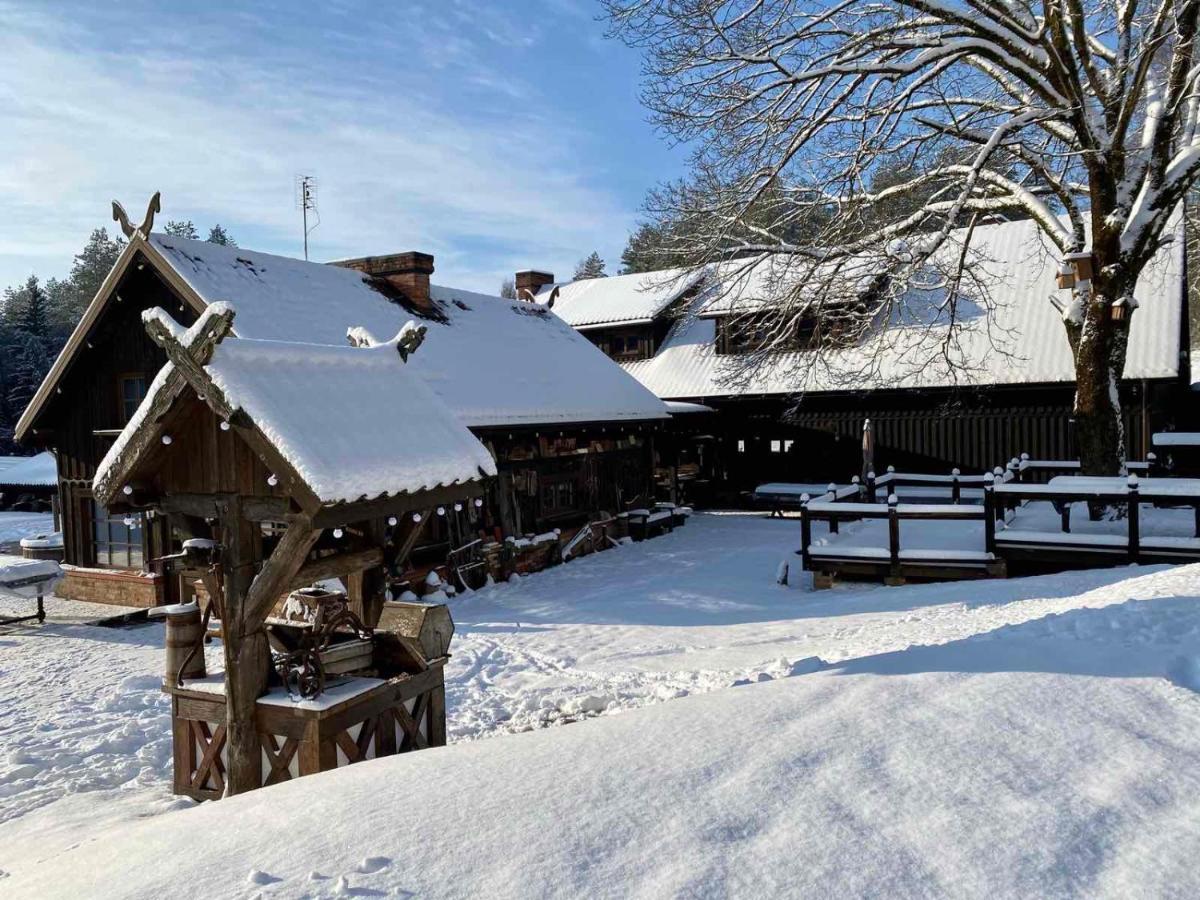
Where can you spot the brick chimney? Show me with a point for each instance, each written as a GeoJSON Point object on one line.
{"type": "Point", "coordinates": [407, 272]}
{"type": "Point", "coordinates": [529, 282]}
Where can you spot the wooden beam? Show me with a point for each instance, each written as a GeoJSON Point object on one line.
{"type": "Point", "coordinates": [332, 567]}
{"type": "Point", "coordinates": [207, 506]}
{"type": "Point", "coordinates": [395, 505]}
{"type": "Point", "coordinates": [279, 569]}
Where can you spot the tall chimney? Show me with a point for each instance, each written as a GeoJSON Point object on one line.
{"type": "Point", "coordinates": [529, 282]}
{"type": "Point", "coordinates": [406, 272]}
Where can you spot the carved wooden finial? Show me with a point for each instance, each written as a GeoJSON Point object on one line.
{"type": "Point", "coordinates": [122, 217]}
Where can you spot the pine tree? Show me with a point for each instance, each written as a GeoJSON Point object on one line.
{"type": "Point", "coordinates": [31, 315]}
{"type": "Point", "coordinates": [183, 229]}
{"type": "Point", "coordinates": [66, 300]}
{"type": "Point", "coordinates": [508, 289]}
{"type": "Point", "coordinates": [218, 235]}
{"type": "Point", "coordinates": [30, 364]}
{"type": "Point", "coordinates": [591, 266]}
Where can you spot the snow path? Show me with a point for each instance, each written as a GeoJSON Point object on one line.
{"type": "Point", "coordinates": [85, 737]}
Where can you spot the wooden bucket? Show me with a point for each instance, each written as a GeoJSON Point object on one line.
{"type": "Point", "coordinates": [183, 633]}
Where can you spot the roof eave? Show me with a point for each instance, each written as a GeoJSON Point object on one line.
{"type": "Point", "coordinates": [137, 243]}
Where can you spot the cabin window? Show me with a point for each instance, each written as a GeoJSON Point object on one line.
{"type": "Point", "coordinates": [625, 346]}
{"type": "Point", "coordinates": [133, 391]}
{"type": "Point", "coordinates": [751, 333]}
{"type": "Point", "coordinates": [116, 544]}
{"type": "Point", "coordinates": [558, 495]}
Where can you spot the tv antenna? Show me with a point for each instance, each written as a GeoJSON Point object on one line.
{"type": "Point", "coordinates": [306, 201]}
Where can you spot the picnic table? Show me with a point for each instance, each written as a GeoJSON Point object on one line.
{"type": "Point", "coordinates": [28, 578]}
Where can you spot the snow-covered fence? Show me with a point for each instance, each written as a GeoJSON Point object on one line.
{"type": "Point", "coordinates": [1129, 495]}
{"type": "Point", "coordinates": [894, 562]}
{"type": "Point", "coordinates": [1042, 470]}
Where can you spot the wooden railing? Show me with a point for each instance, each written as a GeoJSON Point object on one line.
{"type": "Point", "coordinates": [999, 497]}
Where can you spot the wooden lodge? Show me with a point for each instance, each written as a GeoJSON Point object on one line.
{"type": "Point", "coordinates": [1010, 390]}
{"type": "Point", "coordinates": [282, 464]}
{"type": "Point", "coordinates": [570, 432]}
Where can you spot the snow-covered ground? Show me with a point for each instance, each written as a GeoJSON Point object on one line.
{"type": "Point", "coordinates": [1036, 736]}
{"type": "Point", "coordinates": [16, 525]}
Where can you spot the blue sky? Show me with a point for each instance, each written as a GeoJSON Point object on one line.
{"type": "Point", "coordinates": [495, 135]}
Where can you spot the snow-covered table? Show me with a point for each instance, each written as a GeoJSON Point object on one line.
{"type": "Point", "coordinates": [28, 578]}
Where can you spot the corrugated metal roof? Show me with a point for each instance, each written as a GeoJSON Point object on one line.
{"type": "Point", "coordinates": [494, 362]}
{"type": "Point", "coordinates": [1022, 342]}
{"type": "Point", "coordinates": [617, 299]}
{"type": "Point", "coordinates": [31, 471]}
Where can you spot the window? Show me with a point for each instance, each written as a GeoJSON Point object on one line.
{"type": "Point", "coordinates": [748, 333]}
{"type": "Point", "coordinates": [558, 495]}
{"type": "Point", "coordinates": [776, 446]}
{"type": "Point", "coordinates": [741, 446]}
{"type": "Point", "coordinates": [133, 390]}
{"type": "Point", "coordinates": [116, 544]}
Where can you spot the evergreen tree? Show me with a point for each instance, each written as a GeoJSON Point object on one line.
{"type": "Point", "coordinates": [29, 366]}
{"type": "Point", "coordinates": [31, 315]}
{"type": "Point", "coordinates": [591, 266]}
{"type": "Point", "coordinates": [218, 235]}
{"type": "Point", "coordinates": [508, 289]}
{"type": "Point", "coordinates": [66, 300]}
{"type": "Point", "coordinates": [182, 228]}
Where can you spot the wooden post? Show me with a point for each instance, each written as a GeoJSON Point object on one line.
{"type": "Point", "coordinates": [833, 522]}
{"type": "Point", "coordinates": [870, 487]}
{"type": "Point", "coordinates": [1065, 513]}
{"type": "Point", "coordinates": [955, 490]}
{"type": "Point", "coordinates": [1133, 512]}
{"type": "Point", "coordinates": [989, 518]}
{"type": "Point", "coordinates": [894, 533]}
{"type": "Point", "coordinates": [249, 597]}
{"type": "Point", "coordinates": [1151, 464]}
{"type": "Point", "coordinates": [806, 530]}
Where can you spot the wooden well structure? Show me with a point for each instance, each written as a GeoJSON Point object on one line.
{"type": "Point", "coordinates": [244, 445]}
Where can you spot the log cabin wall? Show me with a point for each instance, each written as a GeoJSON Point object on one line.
{"type": "Point", "coordinates": [85, 415]}
{"type": "Point", "coordinates": [750, 441]}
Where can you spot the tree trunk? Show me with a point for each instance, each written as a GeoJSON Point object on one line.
{"type": "Point", "coordinates": [1099, 346]}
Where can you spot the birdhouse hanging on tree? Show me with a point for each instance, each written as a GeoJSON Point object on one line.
{"type": "Point", "coordinates": [1076, 267]}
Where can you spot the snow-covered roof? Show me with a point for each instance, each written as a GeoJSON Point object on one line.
{"type": "Point", "coordinates": [354, 422]}
{"type": "Point", "coordinates": [31, 471]}
{"type": "Point", "coordinates": [1023, 342]}
{"type": "Point", "coordinates": [494, 362]}
{"type": "Point", "coordinates": [617, 299]}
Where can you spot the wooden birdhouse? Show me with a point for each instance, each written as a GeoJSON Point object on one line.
{"type": "Point", "coordinates": [1076, 267]}
{"type": "Point", "coordinates": [1120, 310]}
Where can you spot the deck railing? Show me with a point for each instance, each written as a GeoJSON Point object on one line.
{"type": "Point", "coordinates": [999, 497]}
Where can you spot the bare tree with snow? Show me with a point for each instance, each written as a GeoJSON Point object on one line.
{"type": "Point", "coordinates": [1079, 114]}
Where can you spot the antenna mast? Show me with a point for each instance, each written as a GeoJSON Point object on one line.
{"type": "Point", "coordinates": [306, 200]}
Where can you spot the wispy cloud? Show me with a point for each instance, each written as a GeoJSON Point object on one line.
{"type": "Point", "coordinates": [421, 135]}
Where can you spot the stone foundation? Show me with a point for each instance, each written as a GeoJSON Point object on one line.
{"type": "Point", "coordinates": [115, 586]}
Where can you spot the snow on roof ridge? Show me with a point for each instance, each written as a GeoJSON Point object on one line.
{"type": "Point", "coordinates": [494, 362]}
